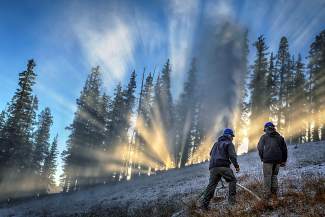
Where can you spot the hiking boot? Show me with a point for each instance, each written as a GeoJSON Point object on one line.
{"type": "Point", "coordinates": [274, 191]}
{"type": "Point", "coordinates": [274, 200]}
{"type": "Point", "coordinates": [274, 196]}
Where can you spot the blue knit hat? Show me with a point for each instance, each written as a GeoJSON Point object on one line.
{"type": "Point", "coordinates": [228, 132]}
{"type": "Point", "coordinates": [269, 125]}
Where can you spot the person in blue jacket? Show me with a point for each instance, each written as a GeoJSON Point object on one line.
{"type": "Point", "coordinates": [273, 153]}
{"type": "Point", "coordinates": [221, 156]}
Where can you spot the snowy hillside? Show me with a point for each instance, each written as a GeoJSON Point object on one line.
{"type": "Point", "coordinates": [165, 193]}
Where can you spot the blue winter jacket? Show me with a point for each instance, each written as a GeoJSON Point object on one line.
{"type": "Point", "coordinates": [272, 148]}
{"type": "Point", "coordinates": [223, 153]}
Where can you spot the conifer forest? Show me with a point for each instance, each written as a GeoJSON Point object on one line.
{"type": "Point", "coordinates": [161, 110]}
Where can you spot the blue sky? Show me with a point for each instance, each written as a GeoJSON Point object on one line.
{"type": "Point", "coordinates": [67, 38]}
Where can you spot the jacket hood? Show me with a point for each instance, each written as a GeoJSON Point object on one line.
{"type": "Point", "coordinates": [272, 132]}
{"type": "Point", "coordinates": [223, 138]}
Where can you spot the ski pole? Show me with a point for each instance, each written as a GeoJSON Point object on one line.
{"type": "Point", "coordinates": [222, 185]}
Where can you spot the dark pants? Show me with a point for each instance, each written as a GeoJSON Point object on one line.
{"type": "Point", "coordinates": [270, 172]}
{"type": "Point", "coordinates": [215, 176]}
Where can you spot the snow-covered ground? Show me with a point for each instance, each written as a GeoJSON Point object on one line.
{"type": "Point", "coordinates": [169, 186]}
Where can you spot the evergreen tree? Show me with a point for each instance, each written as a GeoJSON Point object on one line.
{"type": "Point", "coordinates": [2, 120]}
{"type": "Point", "coordinates": [93, 139]}
{"type": "Point", "coordinates": [165, 96]}
{"type": "Point", "coordinates": [310, 106]}
{"type": "Point", "coordinates": [49, 168]}
{"type": "Point", "coordinates": [128, 105]}
{"type": "Point", "coordinates": [185, 115]}
{"type": "Point", "coordinates": [282, 71]}
{"type": "Point", "coordinates": [271, 88]}
{"type": "Point", "coordinates": [198, 129]}
{"type": "Point", "coordinates": [127, 112]}
{"type": "Point", "coordinates": [66, 176]}
{"type": "Point", "coordinates": [116, 132]}
{"type": "Point", "coordinates": [257, 86]}
{"type": "Point", "coordinates": [86, 137]}
{"type": "Point", "coordinates": [289, 87]}
{"type": "Point", "coordinates": [116, 116]}
{"type": "Point", "coordinates": [157, 91]}
{"type": "Point", "coordinates": [165, 103]}
{"type": "Point", "coordinates": [316, 68]}
{"type": "Point", "coordinates": [98, 111]}
{"type": "Point", "coordinates": [104, 119]}
{"type": "Point", "coordinates": [299, 102]}
{"type": "Point", "coordinates": [129, 98]}
{"type": "Point", "coordinates": [147, 100]}
{"type": "Point", "coordinates": [145, 115]}
{"type": "Point", "coordinates": [156, 99]}
{"type": "Point", "coordinates": [32, 115]}
{"type": "Point", "coordinates": [16, 139]}
{"type": "Point", "coordinates": [41, 143]}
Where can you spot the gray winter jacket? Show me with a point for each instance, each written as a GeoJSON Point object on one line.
{"type": "Point", "coordinates": [223, 153]}
{"type": "Point", "coordinates": [272, 148]}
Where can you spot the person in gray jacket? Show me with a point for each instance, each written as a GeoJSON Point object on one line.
{"type": "Point", "coordinates": [273, 152]}
{"type": "Point", "coordinates": [221, 156]}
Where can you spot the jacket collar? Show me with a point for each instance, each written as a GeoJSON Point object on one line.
{"type": "Point", "coordinates": [271, 132]}
{"type": "Point", "coordinates": [223, 138]}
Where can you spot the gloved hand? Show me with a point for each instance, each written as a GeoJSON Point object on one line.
{"type": "Point", "coordinates": [283, 164]}
{"type": "Point", "coordinates": [237, 169]}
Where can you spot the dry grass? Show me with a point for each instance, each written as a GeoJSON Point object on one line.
{"type": "Point", "coordinates": [154, 209]}
{"type": "Point", "coordinates": [299, 197]}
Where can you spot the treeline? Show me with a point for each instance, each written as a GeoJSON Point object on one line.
{"type": "Point", "coordinates": [285, 89]}
{"type": "Point", "coordinates": [27, 157]}
{"type": "Point", "coordinates": [102, 125]}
